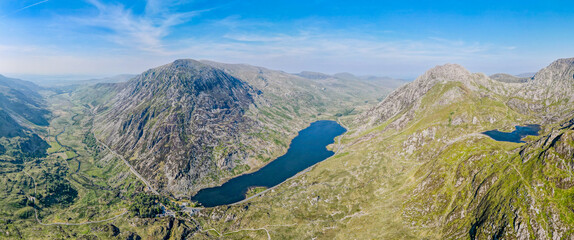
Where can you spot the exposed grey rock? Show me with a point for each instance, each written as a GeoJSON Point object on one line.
{"type": "Point", "coordinates": [168, 121]}
{"type": "Point", "coordinates": [550, 93]}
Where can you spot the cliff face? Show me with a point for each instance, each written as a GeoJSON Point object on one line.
{"type": "Point", "coordinates": [172, 121]}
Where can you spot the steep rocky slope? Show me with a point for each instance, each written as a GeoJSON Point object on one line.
{"type": "Point", "coordinates": [189, 125]}
{"type": "Point", "coordinates": [549, 94]}
{"type": "Point", "coordinates": [180, 123]}
{"type": "Point", "coordinates": [416, 166]}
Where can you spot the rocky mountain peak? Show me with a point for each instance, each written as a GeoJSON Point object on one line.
{"type": "Point", "coordinates": [408, 96]}
{"type": "Point", "coordinates": [444, 73]}
{"type": "Point", "coordinates": [185, 79]}
{"type": "Point", "coordinates": [552, 84]}
{"type": "Point", "coordinates": [170, 120]}
{"type": "Point", "coordinates": [560, 70]}
{"type": "Point", "coordinates": [187, 66]}
{"type": "Point", "coordinates": [182, 71]}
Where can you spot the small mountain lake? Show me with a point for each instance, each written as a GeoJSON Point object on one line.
{"type": "Point", "coordinates": [307, 149]}
{"type": "Point", "coordinates": [516, 135]}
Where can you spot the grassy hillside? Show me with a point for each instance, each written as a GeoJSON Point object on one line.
{"type": "Point", "coordinates": [426, 172]}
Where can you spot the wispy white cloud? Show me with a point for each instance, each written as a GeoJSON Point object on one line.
{"type": "Point", "coordinates": [141, 31]}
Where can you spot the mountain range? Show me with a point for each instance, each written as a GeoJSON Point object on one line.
{"type": "Point", "coordinates": [413, 164]}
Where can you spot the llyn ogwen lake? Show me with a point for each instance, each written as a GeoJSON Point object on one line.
{"type": "Point", "coordinates": [307, 149]}
{"type": "Point", "coordinates": [516, 135]}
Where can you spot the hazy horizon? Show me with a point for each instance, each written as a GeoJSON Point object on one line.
{"type": "Point", "coordinates": [81, 77]}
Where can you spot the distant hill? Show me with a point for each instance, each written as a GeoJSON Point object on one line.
{"type": "Point", "coordinates": [113, 79]}
{"type": "Point", "coordinates": [21, 99]}
{"type": "Point", "coordinates": [526, 75]}
{"type": "Point", "coordinates": [74, 81]}
{"type": "Point", "coordinates": [383, 81]}
{"type": "Point", "coordinates": [21, 106]}
{"type": "Point", "coordinates": [507, 78]}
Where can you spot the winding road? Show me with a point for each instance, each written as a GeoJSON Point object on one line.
{"type": "Point", "coordinates": [132, 169]}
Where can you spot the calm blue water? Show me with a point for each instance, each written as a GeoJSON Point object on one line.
{"type": "Point", "coordinates": [516, 135]}
{"type": "Point", "coordinates": [308, 148]}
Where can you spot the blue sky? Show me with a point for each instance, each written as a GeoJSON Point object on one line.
{"type": "Point", "coordinates": [390, 38]}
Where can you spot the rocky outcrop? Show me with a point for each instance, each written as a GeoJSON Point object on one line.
{"type": "Point", "coordinates": [552, 83]}
{"type": "Point", "coordinates": [516, 196]}
{"type": "Point", "coordinates": [529, 206]}
{"type": "Point", "coordinates": [548, 95]}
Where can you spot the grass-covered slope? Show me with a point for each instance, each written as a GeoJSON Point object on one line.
{"type": "Point", "coordinates": [74, 181]}
{"type": "Point", "coordinates": [416, 166]}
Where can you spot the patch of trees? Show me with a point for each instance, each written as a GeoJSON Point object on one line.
{"type": "Point", "coordinates": [34, 147]}
{"type": "Point", "coordinates": [59, 192]}
{"type": "Point", "coordinates": [24, 148]}
{"type": "Point", "coordinates": [58, 188]}
{"type": "Point", "coordinates": [145, 206]}
{"type": "Point", "coordinates": [346, 112]}
{"type": "Point", "coordinates": [148, 206]}
{"type": "Point", "coordinates": [25, 213]}
{"type": "Point", "coordinates": [91, 143]}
